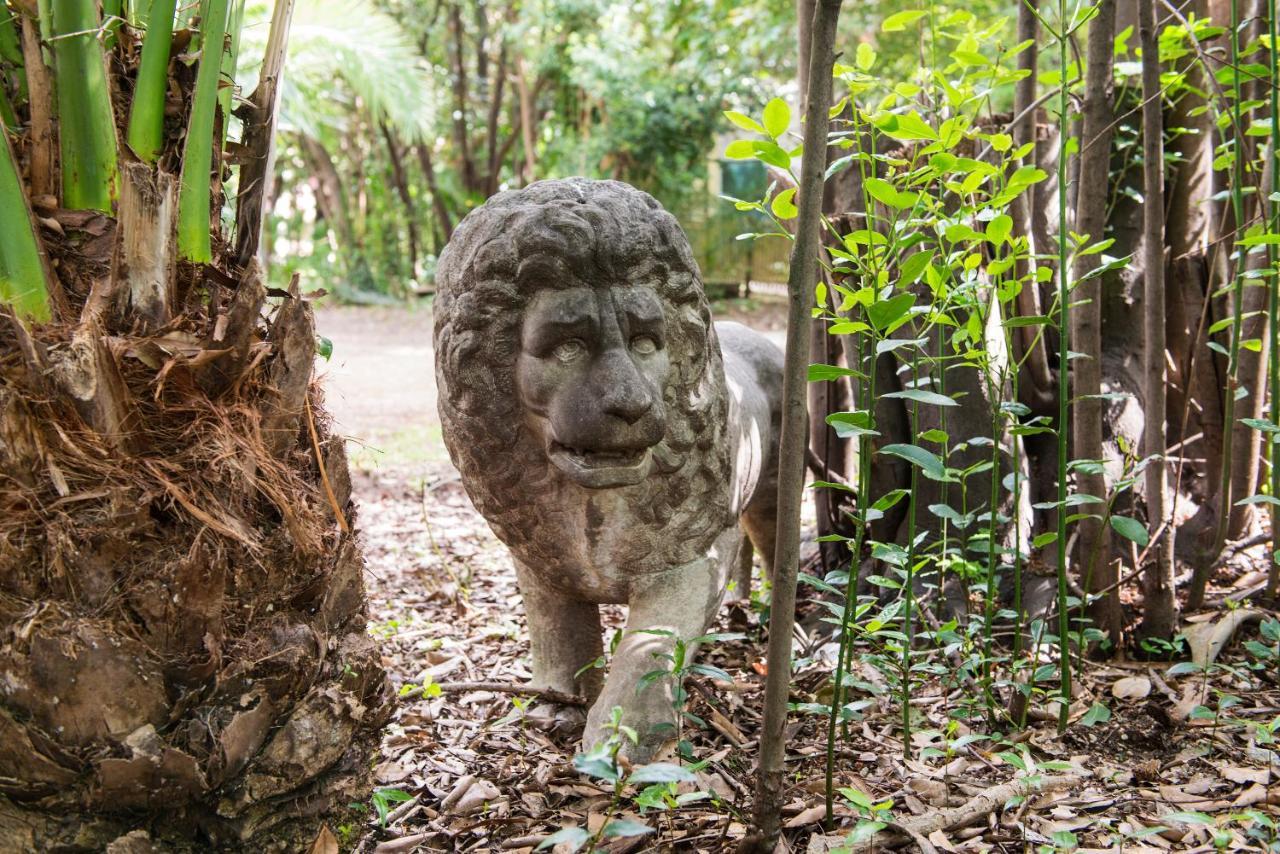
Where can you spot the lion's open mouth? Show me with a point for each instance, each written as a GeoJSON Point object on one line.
{"type": "Point", "coordinates": [601, 469]}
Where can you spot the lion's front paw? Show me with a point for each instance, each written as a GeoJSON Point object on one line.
{"type": "Point", "coordinates": [652, 724]}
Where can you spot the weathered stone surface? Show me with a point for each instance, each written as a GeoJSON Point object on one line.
{"type": "Point", "coordinates": [611, 435]}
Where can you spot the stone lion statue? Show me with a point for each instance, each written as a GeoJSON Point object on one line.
{"type": "Point", "coordinates": [612, 436]}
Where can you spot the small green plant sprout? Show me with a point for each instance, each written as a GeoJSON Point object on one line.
{"type": "Point", "coordinates": [383, 798]}
{"type": "Point", "coordinates": [601, 763]}
{"type": "Point", "coordinates": [427, 690]}
{"type": "Point", "coordinates": [678, 665]}
{"type": "Point", "coordinates": [1225, 830]}
{"type": "Point", "coordinates": [872, 816]}
{"type": "Point", "coordinates": [1264, 653]}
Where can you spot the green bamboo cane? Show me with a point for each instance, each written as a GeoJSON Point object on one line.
{"type": "Point", "coordinates": [197, 154]}
{"type": "Point", "coordinates": [87, 130]}
{"type": "Point", "coordinates": [22, 271]}
{"type": "Point", "coordinates": [146, 116]}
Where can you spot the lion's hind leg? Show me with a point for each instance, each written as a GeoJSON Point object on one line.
{"type": "Point", "coordinates": [760, 521]}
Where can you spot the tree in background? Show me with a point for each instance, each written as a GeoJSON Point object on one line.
{"type": "Point", "coordinates": [438, 105]}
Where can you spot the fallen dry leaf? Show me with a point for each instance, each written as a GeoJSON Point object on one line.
{"type": "Point", "coordinates": [325, 842]}
{"type": "Point", "coordinates": [1131, 688]}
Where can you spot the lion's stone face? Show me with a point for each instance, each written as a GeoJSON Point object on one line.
{"type": "Point", "coordinates": [582, 393]}
{"type": "Point", "coordinates": [590, 374]}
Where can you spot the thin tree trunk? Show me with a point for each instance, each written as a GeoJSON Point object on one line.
{"type": "Point", "coordinates": [1093, 549]}
{"type": "Point", "coordinates": [1160, 606]}
{"type": "Point", "coordinates": [528, 131]}
{"type": "Point", "coordinates": [331, 199]}
{"type": "Point", "coordinates": [494, 159]}
{"type": "Point", "coordinates": [772, 768]}
{"type": "Point", "coordinates": [1036, 381]}
{"type": "Point", "coordinates": [461, 137]}
{"type": "Point", "coordinates": [443, 221]}
{"type": "Point", "coordinates": [406, 198]}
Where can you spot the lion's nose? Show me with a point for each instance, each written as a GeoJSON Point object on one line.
{"type": "Point", "coordinates": [630, 402]}
{"type": "Point", "coordinates": [625, 394]}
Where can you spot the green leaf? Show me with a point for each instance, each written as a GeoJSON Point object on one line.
{"type": "Point", "coordinates": [1130, 529]}
{"type": "Point", "coordinates": [912, 267]}
{"type": "Point", "coordinates": [1188, 818]}
{"type": "Point", "coordinates": [324, 347]}
{"type": "Point", "coordinates": [1258, 499]}
{"type": "Point", "coordinates": [906, 126]}
{"type": "Point", "coordinates": [661, 772]}
{"type": "Point", "coordinates": [999, 229]}
{"type": "Point", "coordinates": [598, 764]}
{"type": "Point", "coordinates": [772, 153]}
{"type": "Point", "coordinates": [1097, 714]}
{"type": "Point", "coordinates": [740, 149]}
{"type": "Point", "coordinates": [626, 827]}
{"type": "Point", "coordinates": [921, 396]}
{"type": "Point", "coordinates": [885, 313]}
{"type": "Point", "coordinates": [851, 425]}
{"type": "Point", "coordinates": [884, 192]}
{"type": "Point", "coordinates": [783, 204]}
{"type": "Point", "coordinates": [823, 373]}
{"type": "Point", "coordinates": [864, 57]}
{"type": "Point", "coordinates": [901, 20]}
{"type": "Point", "coordinates": [574, 836]}
{"type": "Point", "coordinates": [744, 121]}
{"type": "Point", "coordinates": [777, 117]}
{"type": "Point", "coordinates": [928, 462]}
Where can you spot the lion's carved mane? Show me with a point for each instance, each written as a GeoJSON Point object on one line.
{"type": "Point", "coordinates": [609, 235]}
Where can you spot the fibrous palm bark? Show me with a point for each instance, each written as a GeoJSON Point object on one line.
{"type": "Point", "coordinates": [182, 626]}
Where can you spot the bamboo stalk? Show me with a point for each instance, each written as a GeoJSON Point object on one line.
{"type": "Point", "coordinates": [197, 155]}
{"type": "Point", "coordinates": [87, 130]}
{"type": "Point", "coordinates": [24, 278]}
{"type": "Point", "coordinates": [146, 116]}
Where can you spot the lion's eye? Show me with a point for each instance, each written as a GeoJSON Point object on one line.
{"type": "Point", "coordinates": [644, 345]}
{"type": "Point", "coordinates": [569, 350]}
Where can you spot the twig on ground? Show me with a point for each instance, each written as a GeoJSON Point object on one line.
{"type": "Point", "coordinates": [990, 801]}
{"type": "Point", "coordinates": [512, 688]}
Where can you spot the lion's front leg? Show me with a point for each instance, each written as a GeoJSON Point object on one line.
{"type": "Point", "coordinates": [564, 637]}
{"type": "Point", "coordinates": [680, 603]}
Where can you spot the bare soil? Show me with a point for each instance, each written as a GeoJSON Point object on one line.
{"type": "Point", "coordinates": [486, 771]}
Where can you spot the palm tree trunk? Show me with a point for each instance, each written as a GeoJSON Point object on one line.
{"type": "Point", "coordinates": [182, 621]}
